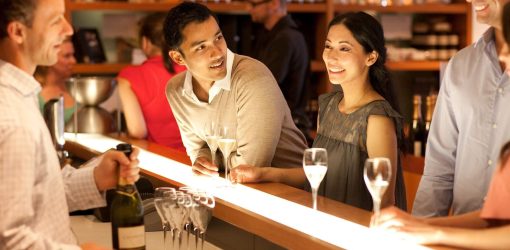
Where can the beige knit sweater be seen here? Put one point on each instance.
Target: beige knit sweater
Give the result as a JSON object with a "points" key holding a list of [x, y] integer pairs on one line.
{"points": [[254, 106]]}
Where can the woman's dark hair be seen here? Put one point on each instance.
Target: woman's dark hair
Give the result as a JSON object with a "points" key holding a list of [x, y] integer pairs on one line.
{"points": [[151, 27], [16, 10], [369, 33], [179, 17], [506, 23]]}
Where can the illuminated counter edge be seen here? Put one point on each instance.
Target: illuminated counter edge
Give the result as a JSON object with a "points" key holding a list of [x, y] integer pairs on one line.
{"points": [[318, 228]]}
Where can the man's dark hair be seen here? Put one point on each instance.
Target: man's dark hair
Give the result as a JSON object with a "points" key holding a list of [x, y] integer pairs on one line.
{"points": [[15, 10], [179, 17]]}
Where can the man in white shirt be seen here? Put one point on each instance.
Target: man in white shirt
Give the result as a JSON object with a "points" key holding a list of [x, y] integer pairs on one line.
{"points": [[36, 194], [470, 124]]}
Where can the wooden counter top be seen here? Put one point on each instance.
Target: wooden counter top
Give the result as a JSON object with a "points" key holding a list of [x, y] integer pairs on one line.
{"points": [[247, 220]]}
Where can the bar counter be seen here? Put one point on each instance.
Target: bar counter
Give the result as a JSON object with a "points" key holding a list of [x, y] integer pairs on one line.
{"points": [[275, 212]]}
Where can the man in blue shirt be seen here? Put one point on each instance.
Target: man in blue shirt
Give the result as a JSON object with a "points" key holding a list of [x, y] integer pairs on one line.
{"points": [[469, 125]]}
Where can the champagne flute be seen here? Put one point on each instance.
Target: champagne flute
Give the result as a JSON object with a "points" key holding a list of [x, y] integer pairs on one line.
{"points": [[377, 175], [211, 137], [227, 144], [315, 164], [159, 203]]}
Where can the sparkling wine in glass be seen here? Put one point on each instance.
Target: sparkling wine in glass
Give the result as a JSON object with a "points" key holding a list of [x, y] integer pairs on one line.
{"points": [[211, 137], [227, 144], [315, 164], [377, 175]]}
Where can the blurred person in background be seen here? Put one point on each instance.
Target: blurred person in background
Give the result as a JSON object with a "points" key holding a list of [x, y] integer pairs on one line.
{"points": [[469, 124], [37, 195], [53, 79], [142, 88], [282, 48], [359, 122]]}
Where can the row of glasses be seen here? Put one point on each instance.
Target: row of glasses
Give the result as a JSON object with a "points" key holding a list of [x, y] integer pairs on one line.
{"points": [[180, 209], [224, 138]]}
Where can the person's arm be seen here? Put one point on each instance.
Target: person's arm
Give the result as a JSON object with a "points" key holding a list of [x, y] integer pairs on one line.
{"points": [[435, 192], [84, 186], [196, 148], [261, 109], [382, 142], [18, 178], [467, 220], [249, 174], [132, 111], [467, 230], [488, 238]]}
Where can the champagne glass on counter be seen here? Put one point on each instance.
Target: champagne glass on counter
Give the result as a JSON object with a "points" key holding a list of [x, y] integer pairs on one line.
{"points": [[159, 203], [227, 144], [377, 175], [211, 137], [315, 165], [201, 214]]}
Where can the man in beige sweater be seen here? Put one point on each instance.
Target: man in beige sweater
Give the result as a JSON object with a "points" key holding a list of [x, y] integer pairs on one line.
{"points": [[229, 89]]}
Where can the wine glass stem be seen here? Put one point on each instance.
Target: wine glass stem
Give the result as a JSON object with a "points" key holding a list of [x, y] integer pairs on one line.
{"points": [[377, 210], [314, 197], [213, 156], [202, 234], [226, 169], [164, 236]]}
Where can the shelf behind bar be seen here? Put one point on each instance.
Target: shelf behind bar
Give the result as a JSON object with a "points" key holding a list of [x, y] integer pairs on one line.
{"points": [[240, 7], [453, 8]]}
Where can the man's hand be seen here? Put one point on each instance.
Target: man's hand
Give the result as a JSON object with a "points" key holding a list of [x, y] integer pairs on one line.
{"points": [[246, 174], [203, 166], [106, 173]]}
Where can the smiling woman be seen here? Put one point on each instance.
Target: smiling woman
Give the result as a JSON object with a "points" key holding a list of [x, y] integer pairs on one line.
{"points": [[356, 123]]}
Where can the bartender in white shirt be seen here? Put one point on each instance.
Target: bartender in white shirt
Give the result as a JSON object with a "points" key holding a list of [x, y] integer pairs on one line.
{"points": [[36, 194]]}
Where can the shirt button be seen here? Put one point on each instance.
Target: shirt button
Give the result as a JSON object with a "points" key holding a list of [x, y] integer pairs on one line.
{"points": [[500, 90], [494, 125], [489, 162]]}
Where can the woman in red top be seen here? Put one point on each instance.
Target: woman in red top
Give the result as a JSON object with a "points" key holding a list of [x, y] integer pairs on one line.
{"points": [[142, 88]]}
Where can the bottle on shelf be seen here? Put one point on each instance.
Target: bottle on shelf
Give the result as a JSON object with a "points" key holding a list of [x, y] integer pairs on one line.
{"points": [[430, 105], [417, 131], [443, 30], [128, 229]]}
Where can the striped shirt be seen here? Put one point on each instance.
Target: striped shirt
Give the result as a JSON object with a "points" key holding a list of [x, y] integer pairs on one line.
{"points": [[36, 194]]}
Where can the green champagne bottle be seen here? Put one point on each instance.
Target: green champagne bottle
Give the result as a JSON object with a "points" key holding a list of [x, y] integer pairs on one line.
{"points": [[128, 229]]}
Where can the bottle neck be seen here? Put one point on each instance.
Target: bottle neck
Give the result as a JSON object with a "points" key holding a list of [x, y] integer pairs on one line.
{"points": [[417, 111], [123, 182]]}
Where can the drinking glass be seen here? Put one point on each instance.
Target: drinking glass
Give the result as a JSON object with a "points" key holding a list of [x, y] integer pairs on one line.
{"points": [[315, 164], [377, 175], [211, 137], [227, 144], [159, 203], [201, 214]]}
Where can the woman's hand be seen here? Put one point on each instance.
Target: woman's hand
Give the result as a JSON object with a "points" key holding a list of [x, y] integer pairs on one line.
{"points": [[407, 226]]}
